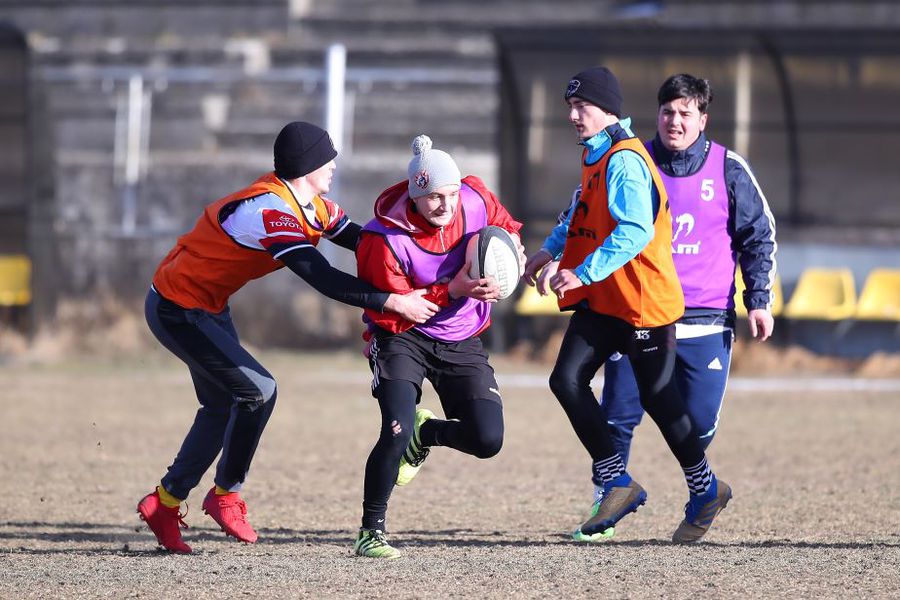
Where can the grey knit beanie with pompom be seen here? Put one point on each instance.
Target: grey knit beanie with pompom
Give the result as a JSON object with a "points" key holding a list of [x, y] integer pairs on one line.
{"points": [[430, 169]]}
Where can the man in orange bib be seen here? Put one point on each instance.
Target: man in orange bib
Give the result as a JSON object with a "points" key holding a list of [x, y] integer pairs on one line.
{"points": [[617, 274], [275, 222]]}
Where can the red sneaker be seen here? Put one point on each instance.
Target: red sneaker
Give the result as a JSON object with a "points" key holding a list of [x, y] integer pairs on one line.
{"points": [[164, 522], [230, 512]]}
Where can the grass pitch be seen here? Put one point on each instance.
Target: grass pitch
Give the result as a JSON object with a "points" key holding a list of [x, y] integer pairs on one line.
{"points": [[816, 511]]}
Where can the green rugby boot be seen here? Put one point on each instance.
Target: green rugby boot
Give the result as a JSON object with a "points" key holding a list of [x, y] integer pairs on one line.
{"points": [[602, 536], [373, 544], [415, 453]]}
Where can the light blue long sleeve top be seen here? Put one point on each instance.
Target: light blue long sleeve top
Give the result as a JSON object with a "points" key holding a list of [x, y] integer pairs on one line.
{"points": [[633, 202]]}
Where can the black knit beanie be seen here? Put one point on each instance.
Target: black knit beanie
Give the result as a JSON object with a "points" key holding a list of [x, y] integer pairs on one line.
{"points": [[598, 86], [301, 148]]}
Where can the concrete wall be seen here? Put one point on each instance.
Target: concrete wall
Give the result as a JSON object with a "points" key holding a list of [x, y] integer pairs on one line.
{"points": [[222, 77]]}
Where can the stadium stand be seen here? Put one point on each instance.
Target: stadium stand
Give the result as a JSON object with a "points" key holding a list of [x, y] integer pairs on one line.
{"points": [[532, 304], [823, 294], [220, 76], [880, 297], [15, 292], [15, 280]]}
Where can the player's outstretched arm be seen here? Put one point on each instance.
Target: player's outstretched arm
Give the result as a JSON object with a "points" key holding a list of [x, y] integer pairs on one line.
{"points": [[314, 269], [348, 237], [534, 264], [543, 280], [412, 306], [563, 281]]}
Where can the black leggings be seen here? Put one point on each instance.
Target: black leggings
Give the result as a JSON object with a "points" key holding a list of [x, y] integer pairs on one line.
{"points": [[236, 394], [479, 432], [590, 339]]}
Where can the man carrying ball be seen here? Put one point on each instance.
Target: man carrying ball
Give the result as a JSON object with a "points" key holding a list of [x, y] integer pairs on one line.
{"points": [[418, 239]]}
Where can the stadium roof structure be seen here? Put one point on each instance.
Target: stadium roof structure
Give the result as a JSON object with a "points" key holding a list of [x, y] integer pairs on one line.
{"points": [[813, 109]]}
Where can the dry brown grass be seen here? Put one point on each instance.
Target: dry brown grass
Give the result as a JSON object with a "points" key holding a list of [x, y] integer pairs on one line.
{"points": [[109, 329], [815, 514], [751, 358]]}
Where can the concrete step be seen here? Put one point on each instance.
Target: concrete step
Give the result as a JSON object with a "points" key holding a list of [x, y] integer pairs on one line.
{"points": [[473, 14], [150, 19]]}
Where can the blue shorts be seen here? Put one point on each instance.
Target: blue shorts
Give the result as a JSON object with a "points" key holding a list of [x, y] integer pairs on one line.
{"points": [[701, 373]]}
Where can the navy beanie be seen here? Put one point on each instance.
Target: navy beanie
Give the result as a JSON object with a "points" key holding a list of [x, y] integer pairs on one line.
{"points": [[301, 148], [598, 86]]}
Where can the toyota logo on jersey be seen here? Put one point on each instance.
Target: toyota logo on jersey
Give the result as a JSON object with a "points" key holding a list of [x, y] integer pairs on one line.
{"points": [[276, 221]]}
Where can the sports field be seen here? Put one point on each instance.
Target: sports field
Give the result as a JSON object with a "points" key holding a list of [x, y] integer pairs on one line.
{"points": [[815, 467]]}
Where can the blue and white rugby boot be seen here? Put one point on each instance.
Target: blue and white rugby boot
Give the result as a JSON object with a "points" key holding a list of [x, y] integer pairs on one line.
{"points": [[700, 511], [602, 536], [621, 496]]}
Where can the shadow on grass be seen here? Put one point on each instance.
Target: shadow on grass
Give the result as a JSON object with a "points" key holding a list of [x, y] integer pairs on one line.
{"points": [[33, 537], [464, 537]]}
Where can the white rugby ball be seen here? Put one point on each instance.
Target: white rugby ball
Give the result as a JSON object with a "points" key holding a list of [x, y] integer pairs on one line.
{"points": [[492, 253]]}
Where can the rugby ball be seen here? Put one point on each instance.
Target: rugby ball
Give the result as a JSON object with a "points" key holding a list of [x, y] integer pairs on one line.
{"points": [[492, 253]]}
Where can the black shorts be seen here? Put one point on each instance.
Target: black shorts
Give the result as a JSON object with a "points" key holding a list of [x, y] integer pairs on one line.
{"points": [[623, 337], [458, 371], [642, 341]]}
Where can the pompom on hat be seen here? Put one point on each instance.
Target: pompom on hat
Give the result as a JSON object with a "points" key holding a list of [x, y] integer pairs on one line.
{"points": [[430, 169]]}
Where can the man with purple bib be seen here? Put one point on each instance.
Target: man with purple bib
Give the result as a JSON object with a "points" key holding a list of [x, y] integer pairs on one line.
{"points": [[418, 240], [720, 218]]}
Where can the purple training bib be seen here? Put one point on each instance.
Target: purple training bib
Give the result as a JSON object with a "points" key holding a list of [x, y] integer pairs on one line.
{"points": [[701, 245], [464, 317]]}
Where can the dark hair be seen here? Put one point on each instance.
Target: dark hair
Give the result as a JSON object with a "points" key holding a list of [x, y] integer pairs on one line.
{"points": [[688, 87]]}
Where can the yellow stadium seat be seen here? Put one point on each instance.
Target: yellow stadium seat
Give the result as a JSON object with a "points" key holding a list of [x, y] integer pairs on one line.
{"points": [[880, 297], [823, 294], [15, 280], [777, 296], [530, 303]]}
